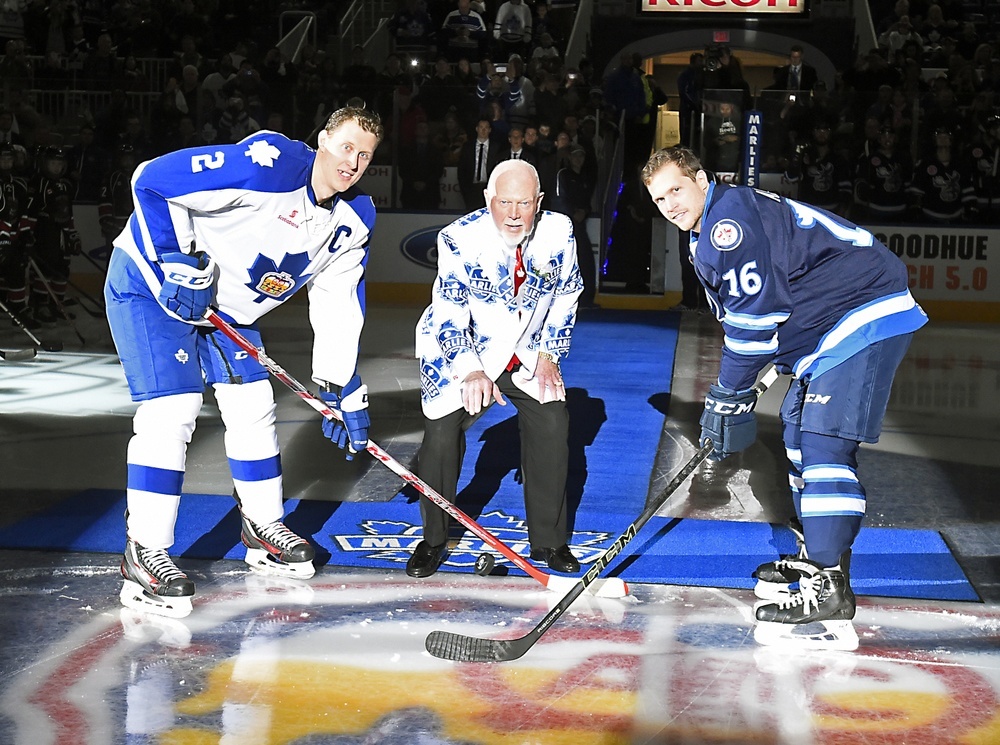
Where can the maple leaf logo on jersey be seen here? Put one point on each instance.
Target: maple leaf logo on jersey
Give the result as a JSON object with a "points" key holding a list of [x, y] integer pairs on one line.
{"points": [[262, 153], [274, 282]]}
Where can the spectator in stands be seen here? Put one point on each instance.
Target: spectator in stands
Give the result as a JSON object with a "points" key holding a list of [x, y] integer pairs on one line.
{"points": [[516, 149], [391, 76], [624, 91], [133, 79], [248, 85], [413, 31], [464, 73], [881, 178], [512, 29], [164, 119], [360, 78], [450, 138], [984, 162], [935, 28], [550, 106], [689, 86], [186, 21], [215, 81], [53, 76], [188, 54], [464, 33], [545, 48], [15, 68], [797, 75], [823, 176], [942, 189], [88, 164], [941, 112], [440, 91], [899, 34], [475, 164], [542, 25], [78, 47], [571, 196], [236, 122], [102, 69], [420, 170], [279, 75], [520, 105]]}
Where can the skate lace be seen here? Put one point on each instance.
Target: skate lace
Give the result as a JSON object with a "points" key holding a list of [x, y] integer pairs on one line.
{"points": [[278, 535], [159, 564], [807, 595]]}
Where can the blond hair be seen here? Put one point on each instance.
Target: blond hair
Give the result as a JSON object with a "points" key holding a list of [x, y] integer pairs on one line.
{"points": [[368, 120], [682, 157]]}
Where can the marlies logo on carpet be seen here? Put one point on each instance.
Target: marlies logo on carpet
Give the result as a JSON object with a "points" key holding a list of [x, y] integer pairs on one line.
{"points": [[394, 540]]}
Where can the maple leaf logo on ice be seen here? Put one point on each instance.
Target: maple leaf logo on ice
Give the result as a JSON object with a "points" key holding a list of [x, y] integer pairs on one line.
{"points": [[262, 153], [394, 540]]}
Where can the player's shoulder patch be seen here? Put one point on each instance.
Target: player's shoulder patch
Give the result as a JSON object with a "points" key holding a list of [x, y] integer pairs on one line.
{"points": [[726, 234]]}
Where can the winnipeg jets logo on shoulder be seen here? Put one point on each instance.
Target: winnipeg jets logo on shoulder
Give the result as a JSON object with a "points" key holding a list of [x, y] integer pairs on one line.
{"points": [[263, 153], [727, 235]]}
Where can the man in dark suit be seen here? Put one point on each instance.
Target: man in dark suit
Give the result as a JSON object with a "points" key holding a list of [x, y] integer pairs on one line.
{"points": [[796, 75], [476, 161], [517, 149]]}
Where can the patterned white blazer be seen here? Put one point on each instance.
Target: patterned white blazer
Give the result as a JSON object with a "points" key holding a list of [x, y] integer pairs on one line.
{"points": [[475, 322]]}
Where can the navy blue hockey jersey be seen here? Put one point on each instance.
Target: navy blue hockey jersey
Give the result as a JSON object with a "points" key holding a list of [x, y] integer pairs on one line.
{"points": [[795, 285]]}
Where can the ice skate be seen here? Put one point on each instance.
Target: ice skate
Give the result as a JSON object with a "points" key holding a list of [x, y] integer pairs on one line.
{"points": [[775, 578], [274, 549], [153, 583], [817, 616]]}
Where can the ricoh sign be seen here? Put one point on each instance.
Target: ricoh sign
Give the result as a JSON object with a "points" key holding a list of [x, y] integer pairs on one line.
{"points": [[741, 7]]}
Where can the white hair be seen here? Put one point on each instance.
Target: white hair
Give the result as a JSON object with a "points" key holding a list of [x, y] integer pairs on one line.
{"points": [[507, 166]]}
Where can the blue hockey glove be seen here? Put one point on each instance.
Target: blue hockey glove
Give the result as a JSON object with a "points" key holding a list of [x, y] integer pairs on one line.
{"points": [[187, 284], [352, 403], [728, 420]]}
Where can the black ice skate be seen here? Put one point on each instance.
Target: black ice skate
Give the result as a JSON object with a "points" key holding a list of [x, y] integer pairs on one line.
{"points": [[775, 578], [274, 549], [153, 582], [817, 616]]}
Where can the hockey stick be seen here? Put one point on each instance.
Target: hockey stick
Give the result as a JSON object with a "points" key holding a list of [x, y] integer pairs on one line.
{"points": [[100, 312], [55, 346], [450, 646], [55, 299], [613, 587]]}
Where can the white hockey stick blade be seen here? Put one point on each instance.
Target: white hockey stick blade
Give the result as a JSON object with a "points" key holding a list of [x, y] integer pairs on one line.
{"points": [[18, 355], [825, 635], [610, 587]]}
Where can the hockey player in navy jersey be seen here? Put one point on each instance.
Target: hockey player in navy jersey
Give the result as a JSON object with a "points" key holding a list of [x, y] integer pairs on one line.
{"points": [[828, 304], [240, 227]]}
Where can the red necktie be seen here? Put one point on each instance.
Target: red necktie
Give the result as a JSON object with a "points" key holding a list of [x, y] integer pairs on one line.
{"points": [[518, 279]]}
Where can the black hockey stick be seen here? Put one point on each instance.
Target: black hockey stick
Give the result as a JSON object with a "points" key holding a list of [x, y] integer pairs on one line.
{"points": [[55, 346], [450, 646], [17, 355], [55, 299]]}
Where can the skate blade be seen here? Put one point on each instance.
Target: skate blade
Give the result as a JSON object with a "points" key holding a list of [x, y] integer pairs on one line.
{"points": [[772, 591], [826, 635], [134, 596], [261, 561], [143, 627]]}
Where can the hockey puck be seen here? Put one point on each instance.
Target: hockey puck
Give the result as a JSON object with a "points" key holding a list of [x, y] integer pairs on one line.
{"points": [[484, 564]]}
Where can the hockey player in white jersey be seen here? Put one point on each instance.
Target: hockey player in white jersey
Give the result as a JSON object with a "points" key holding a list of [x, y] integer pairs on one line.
{"points": [[827, 303], [240, 228]]}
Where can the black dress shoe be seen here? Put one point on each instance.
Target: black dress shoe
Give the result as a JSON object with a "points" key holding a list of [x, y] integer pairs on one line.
{"points": [[425, 560], [559, 559]]}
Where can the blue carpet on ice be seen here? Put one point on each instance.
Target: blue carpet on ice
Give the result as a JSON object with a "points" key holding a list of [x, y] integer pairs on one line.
{"points": [[887, 562], [619, 360]]}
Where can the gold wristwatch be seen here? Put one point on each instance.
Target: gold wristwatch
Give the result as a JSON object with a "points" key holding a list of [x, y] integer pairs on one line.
{"points": [[550, 357]]}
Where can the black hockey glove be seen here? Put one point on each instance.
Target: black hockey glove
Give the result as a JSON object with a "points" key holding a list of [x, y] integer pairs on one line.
{"points": [[728, 420]]}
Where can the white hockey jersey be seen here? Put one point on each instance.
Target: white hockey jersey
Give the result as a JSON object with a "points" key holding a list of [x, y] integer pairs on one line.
{"points": [[251, 207]]}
